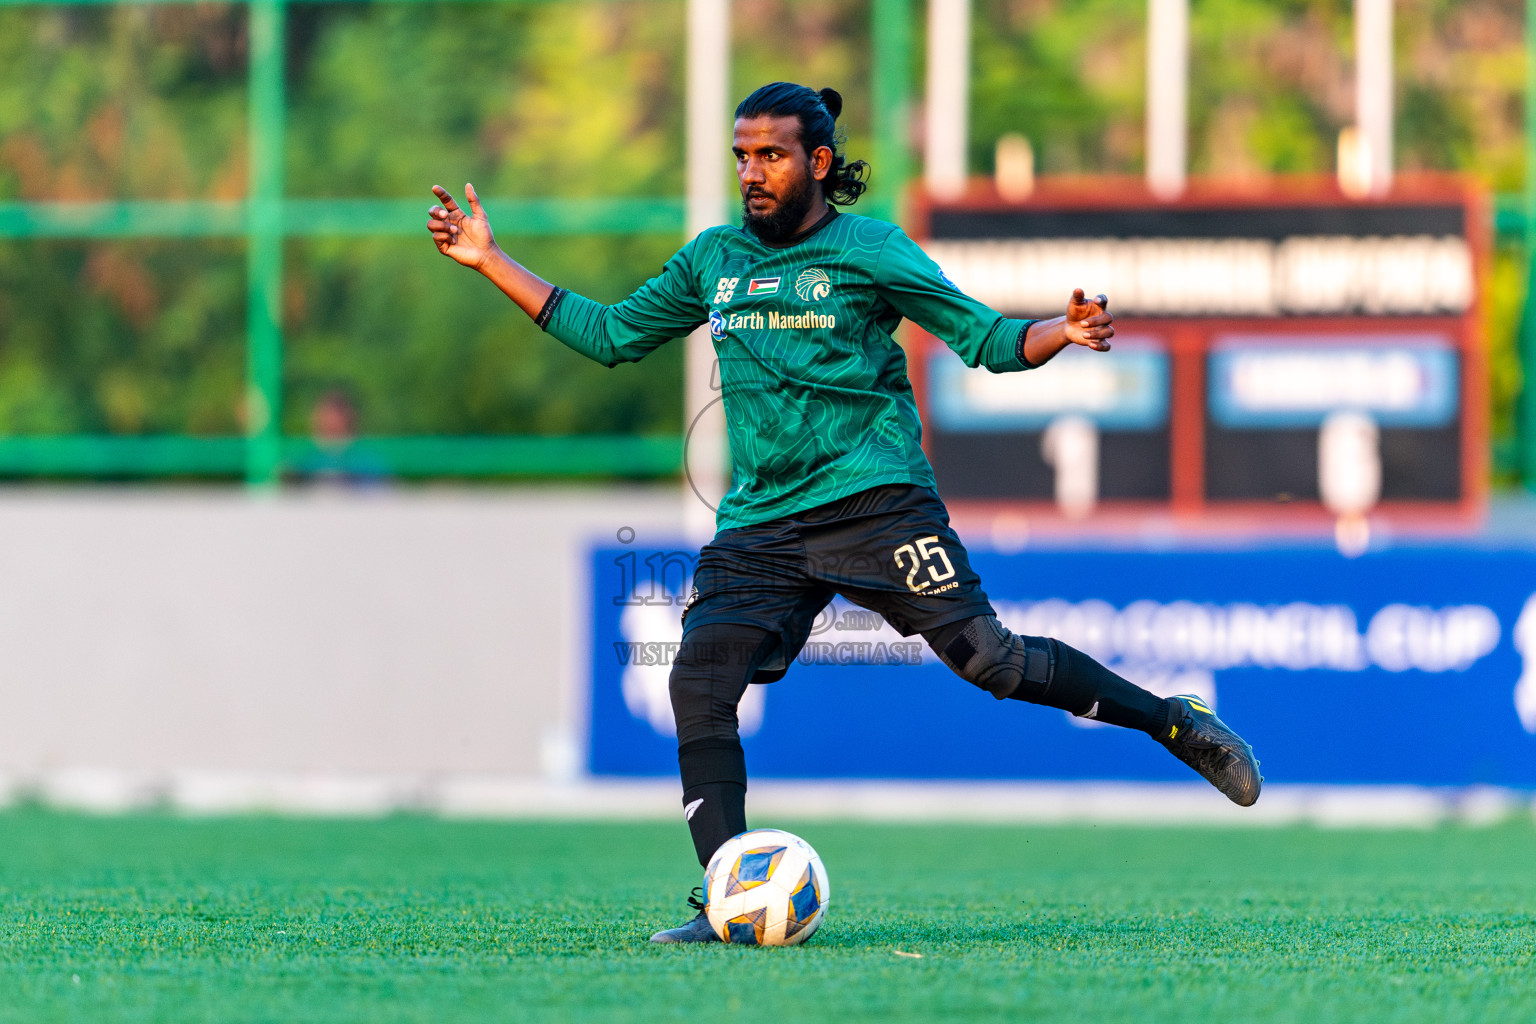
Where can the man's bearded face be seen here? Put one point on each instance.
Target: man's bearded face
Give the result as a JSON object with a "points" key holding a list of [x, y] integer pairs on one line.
{"points": [[773, 171]]}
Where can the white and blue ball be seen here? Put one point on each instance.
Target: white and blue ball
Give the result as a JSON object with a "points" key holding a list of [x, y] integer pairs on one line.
{"points": [[766, 887]]}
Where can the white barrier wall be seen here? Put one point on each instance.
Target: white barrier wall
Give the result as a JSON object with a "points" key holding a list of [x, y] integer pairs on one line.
{"points": [[213, 647]]}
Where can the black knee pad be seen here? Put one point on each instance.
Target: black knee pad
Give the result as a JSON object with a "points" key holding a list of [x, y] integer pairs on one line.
{"points": [[1004, 664]]}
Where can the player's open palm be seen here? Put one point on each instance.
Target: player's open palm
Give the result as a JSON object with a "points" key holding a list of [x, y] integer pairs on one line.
{"points": [[465, 237], [1089, 321]]}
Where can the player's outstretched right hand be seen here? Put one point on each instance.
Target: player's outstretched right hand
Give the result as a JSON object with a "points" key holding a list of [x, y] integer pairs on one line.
{"points": [[465, 237], [1089, 321]]}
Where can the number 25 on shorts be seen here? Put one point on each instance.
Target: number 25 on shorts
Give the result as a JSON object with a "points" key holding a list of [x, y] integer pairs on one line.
{"points": [[922, 556]]}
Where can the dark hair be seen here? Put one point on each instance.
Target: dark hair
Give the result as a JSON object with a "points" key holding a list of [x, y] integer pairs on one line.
{"points": [[817, 113]]}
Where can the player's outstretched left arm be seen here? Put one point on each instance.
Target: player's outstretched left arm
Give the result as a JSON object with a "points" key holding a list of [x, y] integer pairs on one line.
{"points": [[1088, 323]]}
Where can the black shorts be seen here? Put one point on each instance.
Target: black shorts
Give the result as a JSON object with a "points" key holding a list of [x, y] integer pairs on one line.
{"points": [[889, 549]]}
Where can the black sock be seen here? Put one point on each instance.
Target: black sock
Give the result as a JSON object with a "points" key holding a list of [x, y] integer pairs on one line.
{"points": [[1083, 682], [714, 792], [716, 811]]}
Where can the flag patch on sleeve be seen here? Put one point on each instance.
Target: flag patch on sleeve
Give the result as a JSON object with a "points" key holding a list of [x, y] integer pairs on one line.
{"points": [[762, 286]]}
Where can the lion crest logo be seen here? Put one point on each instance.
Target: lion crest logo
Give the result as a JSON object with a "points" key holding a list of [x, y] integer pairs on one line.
{"points": [[813, 285]]}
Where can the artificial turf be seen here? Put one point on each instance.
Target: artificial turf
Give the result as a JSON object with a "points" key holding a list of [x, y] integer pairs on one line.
{"points": [[160, 918]]}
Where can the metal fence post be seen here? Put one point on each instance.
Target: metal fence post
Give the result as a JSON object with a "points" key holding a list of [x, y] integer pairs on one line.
{"points": [[1526, 411], [891, 43], [264, 246]]}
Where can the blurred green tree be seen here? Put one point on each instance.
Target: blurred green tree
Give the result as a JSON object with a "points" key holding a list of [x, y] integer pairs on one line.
{"points": [[526, 100], [121, 102]]}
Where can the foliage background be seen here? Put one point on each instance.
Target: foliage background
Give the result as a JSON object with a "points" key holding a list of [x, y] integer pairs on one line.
{"points": [[585, 99]]}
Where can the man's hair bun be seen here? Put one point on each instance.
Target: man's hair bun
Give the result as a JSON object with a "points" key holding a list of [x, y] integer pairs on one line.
{"points": [[833, 101]]}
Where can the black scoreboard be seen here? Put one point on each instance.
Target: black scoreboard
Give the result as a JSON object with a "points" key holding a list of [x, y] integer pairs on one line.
{"points": [[1243, 323]]}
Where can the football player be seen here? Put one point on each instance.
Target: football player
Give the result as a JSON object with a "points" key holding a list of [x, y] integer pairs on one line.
{"points": [[831, 492]]}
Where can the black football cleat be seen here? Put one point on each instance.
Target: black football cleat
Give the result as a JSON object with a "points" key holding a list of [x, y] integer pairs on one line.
{"points": [[697, 930], [1197, 737]]}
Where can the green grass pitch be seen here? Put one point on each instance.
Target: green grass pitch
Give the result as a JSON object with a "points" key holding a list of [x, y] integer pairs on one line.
{"points": [[160, 918]]}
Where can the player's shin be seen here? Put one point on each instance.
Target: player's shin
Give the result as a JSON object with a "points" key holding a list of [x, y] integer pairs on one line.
{"points": [[714, 792], [1103, 695], [1041, 670]]}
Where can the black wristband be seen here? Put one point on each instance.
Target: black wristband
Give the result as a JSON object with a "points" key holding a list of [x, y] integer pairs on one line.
{"points": [[548, 312], [1023, 331]]}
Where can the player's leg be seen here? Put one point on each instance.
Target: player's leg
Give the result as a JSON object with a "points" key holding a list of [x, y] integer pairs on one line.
{"points": [[751, 611], [714, 664], [891, 549], [1041, 670]]}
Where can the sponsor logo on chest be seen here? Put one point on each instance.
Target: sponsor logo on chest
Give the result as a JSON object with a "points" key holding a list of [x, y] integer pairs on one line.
{"points": [[773, 320], [810, 286]]}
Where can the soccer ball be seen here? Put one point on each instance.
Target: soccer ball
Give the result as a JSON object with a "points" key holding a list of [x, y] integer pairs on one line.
{"points": [[765, 888]]}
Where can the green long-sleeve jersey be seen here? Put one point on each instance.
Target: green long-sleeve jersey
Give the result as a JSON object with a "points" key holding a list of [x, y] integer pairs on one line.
{"points": [[817, 401]]}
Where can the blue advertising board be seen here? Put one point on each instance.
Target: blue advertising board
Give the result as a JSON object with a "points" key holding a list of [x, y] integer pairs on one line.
{"points": [[1405, 666]]}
